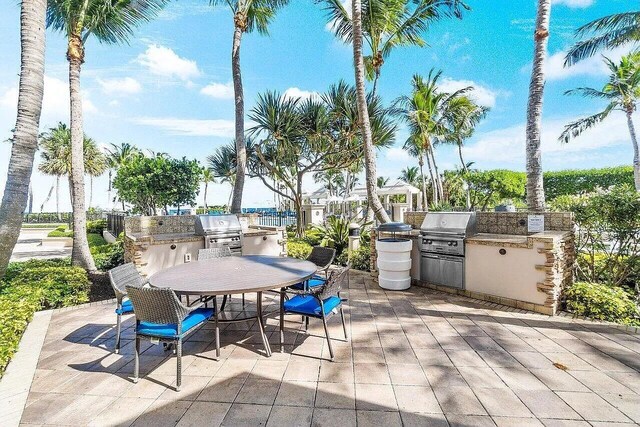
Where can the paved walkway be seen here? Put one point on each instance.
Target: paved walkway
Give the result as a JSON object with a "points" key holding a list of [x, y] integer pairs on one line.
{"points": [[415, 358], [30, 246]]}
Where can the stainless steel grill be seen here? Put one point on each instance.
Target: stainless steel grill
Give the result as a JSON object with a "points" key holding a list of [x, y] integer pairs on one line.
{"points": [[442, 236], [220, 231]]}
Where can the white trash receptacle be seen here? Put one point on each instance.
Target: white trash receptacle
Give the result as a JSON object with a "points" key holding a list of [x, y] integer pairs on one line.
{"points": [[394, 258]]}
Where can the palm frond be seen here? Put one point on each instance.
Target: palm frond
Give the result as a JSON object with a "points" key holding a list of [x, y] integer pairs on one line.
{"points": [[576, 128]]}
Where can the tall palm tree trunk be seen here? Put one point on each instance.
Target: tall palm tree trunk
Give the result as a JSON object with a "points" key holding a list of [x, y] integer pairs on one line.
{"points": [[465, 170], [30, 204], [58, 197], [439, 186], [424, 181], [535, 187], [206, 185], [25, 136], [434, 186], [636, 151], [241, 148], [80, 254], [464, 165], [365, 124]]}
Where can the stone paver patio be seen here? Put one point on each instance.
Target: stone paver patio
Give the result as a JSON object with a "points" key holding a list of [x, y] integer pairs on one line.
{"points": [[415, 358]]}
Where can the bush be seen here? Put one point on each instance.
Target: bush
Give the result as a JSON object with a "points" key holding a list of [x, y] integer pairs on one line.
{"points": [[602, 302], [312, 236], [360, 258], [97, 226], [60, 233], [33, 285], [107, 257], [298, 249], [571, 182], [96, 240]]}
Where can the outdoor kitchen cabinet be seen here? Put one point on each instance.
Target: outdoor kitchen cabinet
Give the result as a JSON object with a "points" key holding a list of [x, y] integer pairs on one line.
{"points": [[264, 242], [505, 266]]}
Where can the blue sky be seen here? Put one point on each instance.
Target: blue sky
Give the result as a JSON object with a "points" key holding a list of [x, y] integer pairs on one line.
{"points": [[170, 90]]}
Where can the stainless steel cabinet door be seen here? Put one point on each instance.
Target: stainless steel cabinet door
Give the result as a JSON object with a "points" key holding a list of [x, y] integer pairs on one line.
{"points": [[442, 270]]}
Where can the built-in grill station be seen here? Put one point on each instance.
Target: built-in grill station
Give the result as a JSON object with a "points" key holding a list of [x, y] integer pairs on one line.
{"points": [[220, 231], [442, 247]]}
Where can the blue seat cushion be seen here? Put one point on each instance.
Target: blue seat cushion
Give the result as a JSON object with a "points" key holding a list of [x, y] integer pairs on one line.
{"points": [[127, 307], [170, 330], [310, 306], [313, 282]]}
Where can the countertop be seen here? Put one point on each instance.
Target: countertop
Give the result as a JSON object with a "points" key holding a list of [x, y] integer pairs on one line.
{"points": [[515, 240], [189, 237]]}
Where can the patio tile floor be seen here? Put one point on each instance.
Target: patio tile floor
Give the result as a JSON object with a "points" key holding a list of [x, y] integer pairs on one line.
{"points": [[414, 358]]}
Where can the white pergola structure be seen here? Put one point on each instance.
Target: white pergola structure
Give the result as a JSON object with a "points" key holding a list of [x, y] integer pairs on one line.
{"points": [[359, 196]]}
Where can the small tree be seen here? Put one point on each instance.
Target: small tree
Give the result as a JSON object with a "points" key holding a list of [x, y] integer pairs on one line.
{"points": [[148, 183]]}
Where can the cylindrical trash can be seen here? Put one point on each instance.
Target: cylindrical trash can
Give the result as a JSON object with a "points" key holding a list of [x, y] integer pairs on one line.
{"points": [[394, 257]]}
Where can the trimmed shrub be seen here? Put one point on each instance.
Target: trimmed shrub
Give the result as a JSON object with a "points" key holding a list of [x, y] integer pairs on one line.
{"points": [[15, 268], [16, 311], [570, 182], [602, 302], [96, 240], [298, 249], [360, 258], [60, 233], [96, 226], [59, 286], [107, 257]]}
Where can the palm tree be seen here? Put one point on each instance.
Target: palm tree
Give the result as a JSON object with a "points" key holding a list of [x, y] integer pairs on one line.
{"points": [[110, 22], [248, 15], [95, 164], [207, 178], [57, 157], [223, 166], [535, 187], [622, 92], [116, 156], [410, 175], [387, 24], [363, 113], [25, 135], [425, 113], [605, 33], [382, 181], [462, 116]]}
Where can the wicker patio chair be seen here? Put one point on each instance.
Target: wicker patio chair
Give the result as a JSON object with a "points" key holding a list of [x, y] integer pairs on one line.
{"points": [[120, 277], [162, 317], [319, 302], [322, 257], [214, 253]]}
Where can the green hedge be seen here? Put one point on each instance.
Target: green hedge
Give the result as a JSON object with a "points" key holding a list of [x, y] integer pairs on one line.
{"points": [[298, 249], [360, 258], [108, 256], [34, 285], [602, 302], [96, 226], [583, 181], [96, 240]]}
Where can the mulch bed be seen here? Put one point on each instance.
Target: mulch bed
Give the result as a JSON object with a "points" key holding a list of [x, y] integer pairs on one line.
{"points": [[100, 287]]}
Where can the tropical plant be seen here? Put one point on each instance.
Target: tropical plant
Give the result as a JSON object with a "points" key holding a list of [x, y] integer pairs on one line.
{"points": [[25, 136], [109, 22], [116, 156], [160, 181], [535, 184], [207, 178], [335, 233], [622, 92], [56, 156], [248, 15], [605, 33], [410, 175], [490, 188], [308, 136], [424, 111], [462, 115], [382, 181], [388, 24], [223, 163]]}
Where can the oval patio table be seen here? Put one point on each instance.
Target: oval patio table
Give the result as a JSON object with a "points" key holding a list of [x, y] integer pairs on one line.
{"points": [[235, 275]]}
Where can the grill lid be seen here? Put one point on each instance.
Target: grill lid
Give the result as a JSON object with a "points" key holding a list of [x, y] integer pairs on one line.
{"points": [[215, 224], [460, 223]]}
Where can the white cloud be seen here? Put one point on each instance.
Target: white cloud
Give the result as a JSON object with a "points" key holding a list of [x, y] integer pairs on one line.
{"points": [[190, 127], [218, 90], [55, 103], [594, 66], [124, 86], [481, 94], [163, 61], [507, 145], [574, 4], [294, 92]]}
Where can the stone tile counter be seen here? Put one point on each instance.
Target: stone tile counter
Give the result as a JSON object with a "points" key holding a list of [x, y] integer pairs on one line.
{"points": [[515, 240]]}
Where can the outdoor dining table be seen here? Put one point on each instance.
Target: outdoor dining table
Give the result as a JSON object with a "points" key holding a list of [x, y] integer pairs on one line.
{"points": [[235, 275]]}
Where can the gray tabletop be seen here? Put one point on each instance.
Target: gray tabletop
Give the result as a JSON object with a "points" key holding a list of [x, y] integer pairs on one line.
{"points": [[234, 275]]}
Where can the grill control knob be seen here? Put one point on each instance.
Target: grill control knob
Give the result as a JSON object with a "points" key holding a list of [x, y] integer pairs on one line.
{"points": [[429, 242], [449, 243], [455, 243]]}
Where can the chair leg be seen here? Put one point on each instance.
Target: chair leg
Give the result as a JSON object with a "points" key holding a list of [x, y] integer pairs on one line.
{"points": [[224, 302], [326, 332], [242, 300], [306, 323], [282, 321], [118, 330], [179, 363], [217, 328], [136, 363], [344, 324], [265, 340]]}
